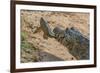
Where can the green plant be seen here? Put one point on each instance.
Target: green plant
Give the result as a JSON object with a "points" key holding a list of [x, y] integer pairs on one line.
{"points": [[23, 36], [27, 45]]}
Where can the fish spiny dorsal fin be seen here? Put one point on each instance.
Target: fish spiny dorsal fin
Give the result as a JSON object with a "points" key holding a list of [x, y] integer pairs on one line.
{"points": [[46, 28]]}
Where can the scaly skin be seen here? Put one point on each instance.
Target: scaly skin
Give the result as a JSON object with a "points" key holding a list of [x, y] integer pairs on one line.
{"points": [[77, 44]]}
